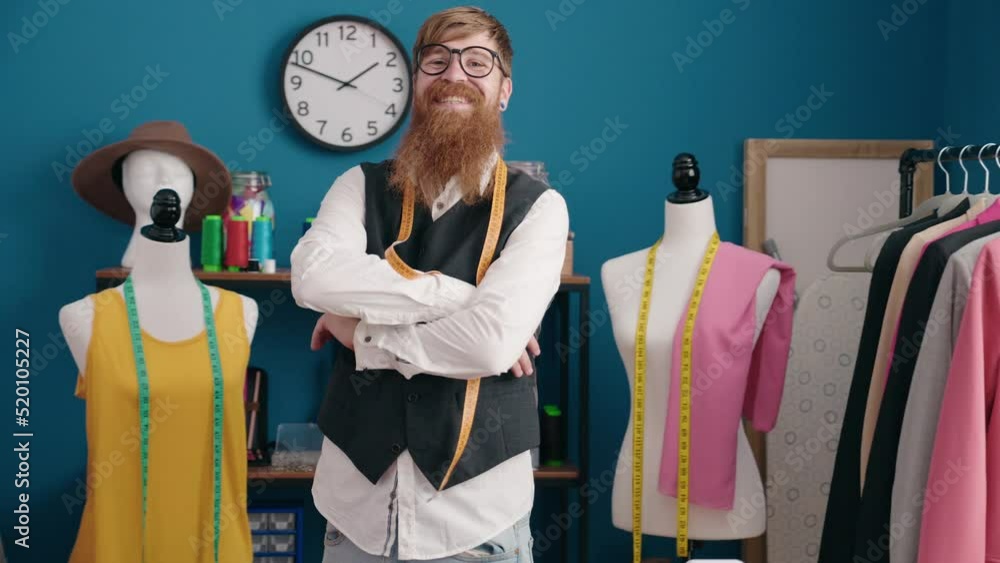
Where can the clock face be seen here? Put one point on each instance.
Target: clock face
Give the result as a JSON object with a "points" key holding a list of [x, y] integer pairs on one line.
{"points": [[347, 83]]}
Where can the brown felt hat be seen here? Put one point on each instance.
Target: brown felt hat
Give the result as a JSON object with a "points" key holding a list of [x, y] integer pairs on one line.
{"points": [[94, 179]]}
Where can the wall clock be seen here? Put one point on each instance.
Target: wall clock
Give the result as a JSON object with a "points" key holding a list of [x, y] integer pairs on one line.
{"points": [[346, 82]]}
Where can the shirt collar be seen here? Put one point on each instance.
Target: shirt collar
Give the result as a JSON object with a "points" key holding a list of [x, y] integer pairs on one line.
{"points": [[484, 179]]}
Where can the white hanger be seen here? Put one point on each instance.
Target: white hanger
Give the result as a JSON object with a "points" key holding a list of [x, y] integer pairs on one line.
{"points": [[948, 201], [986, 196], [922, 211], [965, 183]]}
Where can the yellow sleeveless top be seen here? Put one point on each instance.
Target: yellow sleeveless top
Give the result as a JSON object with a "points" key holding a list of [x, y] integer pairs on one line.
{"points": [[179, 518]]}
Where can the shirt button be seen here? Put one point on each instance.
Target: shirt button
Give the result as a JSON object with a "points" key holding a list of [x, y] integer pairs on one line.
{"points": [[413, 397], [440, 205], [368, 339], [396, 448]]}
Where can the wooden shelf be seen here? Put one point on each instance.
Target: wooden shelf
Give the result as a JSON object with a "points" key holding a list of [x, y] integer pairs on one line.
{"points": [[282, 276], [266, 472], [564, 473]]}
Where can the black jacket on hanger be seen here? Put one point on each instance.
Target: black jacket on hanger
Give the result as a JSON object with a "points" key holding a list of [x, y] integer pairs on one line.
{"points": [[839, 526], [876, 503]]}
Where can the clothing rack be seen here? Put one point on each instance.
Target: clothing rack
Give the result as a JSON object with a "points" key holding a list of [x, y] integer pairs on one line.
{"points": [[911, 157]]}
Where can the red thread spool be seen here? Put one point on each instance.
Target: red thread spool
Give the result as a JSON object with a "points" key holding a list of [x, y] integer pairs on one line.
{"points": [[237, 244]]}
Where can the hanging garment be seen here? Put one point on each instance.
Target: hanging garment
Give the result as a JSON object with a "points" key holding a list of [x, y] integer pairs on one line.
{"points": [[837, 544], [876, 501], [900, 284], [803, 444], [730, 373], [179, 519], [962, 509], [916, 439]]}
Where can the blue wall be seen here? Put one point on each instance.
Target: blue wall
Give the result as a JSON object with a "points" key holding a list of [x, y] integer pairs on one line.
{"points": [[971, 108], [578, 65]]}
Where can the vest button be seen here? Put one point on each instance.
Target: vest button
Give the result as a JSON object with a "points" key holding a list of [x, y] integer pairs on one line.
{"points": [[396, 448], [413, 397]]}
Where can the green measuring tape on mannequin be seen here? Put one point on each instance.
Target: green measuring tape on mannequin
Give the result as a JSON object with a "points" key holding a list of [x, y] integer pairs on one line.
{"points": [[217, 404], [684, 440]]}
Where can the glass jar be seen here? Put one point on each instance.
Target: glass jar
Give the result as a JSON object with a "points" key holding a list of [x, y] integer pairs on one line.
{"points": [[250, 199]]}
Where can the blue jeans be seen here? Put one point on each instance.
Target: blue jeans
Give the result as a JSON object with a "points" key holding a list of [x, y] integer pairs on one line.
{"points": [[512, 545]]}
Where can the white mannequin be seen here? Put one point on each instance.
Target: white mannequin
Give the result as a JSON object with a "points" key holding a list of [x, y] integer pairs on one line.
{"points": [[166, 291], [689, 228], [145, 172]]}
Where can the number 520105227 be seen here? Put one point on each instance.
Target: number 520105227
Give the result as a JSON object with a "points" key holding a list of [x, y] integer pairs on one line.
{"points": [[22, 360]]}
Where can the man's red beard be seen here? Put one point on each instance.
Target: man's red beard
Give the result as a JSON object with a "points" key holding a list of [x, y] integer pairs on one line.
{"points": [[442, 143]]}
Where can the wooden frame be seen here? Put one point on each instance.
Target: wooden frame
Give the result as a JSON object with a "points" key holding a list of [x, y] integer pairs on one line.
{"points": [[756, 152]]}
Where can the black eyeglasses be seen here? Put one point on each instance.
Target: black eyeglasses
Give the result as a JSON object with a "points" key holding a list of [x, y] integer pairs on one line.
{"points": [[477, 62]]}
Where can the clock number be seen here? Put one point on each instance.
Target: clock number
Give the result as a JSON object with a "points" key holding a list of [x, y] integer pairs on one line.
{"points": [[391, 110], [399, 84], [346, 136], [322, 38], [373, 39], [307, 57], [321, 127], [392, 59], [303, 108], [372, 130], [350, 34], [297, 82]]}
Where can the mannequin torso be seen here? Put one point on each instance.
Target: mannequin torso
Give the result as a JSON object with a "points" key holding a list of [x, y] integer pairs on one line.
{"points": [[167, 294], [167, 297], [689, 228]]}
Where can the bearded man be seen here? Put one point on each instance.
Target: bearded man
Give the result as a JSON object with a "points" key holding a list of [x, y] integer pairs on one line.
{"points": [[434, 270]]}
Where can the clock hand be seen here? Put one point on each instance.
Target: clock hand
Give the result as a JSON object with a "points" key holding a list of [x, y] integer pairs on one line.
{"points": [[372, 97], [359, 75], [345, 84]]}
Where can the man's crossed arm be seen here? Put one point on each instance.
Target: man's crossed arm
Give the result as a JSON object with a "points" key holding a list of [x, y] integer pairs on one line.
{"points": [[434, 324]]}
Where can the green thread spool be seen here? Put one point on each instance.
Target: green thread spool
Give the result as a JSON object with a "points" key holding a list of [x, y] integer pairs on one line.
{"points": [[552, 445], [211, 243]]}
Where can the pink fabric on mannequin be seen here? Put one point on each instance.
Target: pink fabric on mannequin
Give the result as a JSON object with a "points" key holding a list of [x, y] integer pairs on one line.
{"points": [[730, 375]]}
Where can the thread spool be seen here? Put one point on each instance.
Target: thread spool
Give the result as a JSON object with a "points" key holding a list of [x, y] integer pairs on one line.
{"points": [[237, 244], [552, 452], [262, 239], [211, 243]]}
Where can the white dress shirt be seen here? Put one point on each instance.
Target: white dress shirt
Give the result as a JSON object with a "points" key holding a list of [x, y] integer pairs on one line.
{"points": [[465, 331]]}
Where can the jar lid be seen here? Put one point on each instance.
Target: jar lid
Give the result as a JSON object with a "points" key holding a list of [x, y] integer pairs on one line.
{"points": [[257, 180]]}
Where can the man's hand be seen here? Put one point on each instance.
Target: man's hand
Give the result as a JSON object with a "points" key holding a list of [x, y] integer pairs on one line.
{"points": [[523, 365], [330, 326]]}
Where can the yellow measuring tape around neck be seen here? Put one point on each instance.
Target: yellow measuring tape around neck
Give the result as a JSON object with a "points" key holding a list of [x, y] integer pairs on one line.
{"points": [[485, 258], [639, 399]]}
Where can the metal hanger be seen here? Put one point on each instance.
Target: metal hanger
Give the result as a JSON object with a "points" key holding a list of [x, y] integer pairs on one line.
{"points": [[965, 182], [948, 201], [924, 210], [986, 196]]}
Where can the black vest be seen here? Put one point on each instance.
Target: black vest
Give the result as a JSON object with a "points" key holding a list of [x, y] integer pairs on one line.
{"points": [[375, 414]]}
